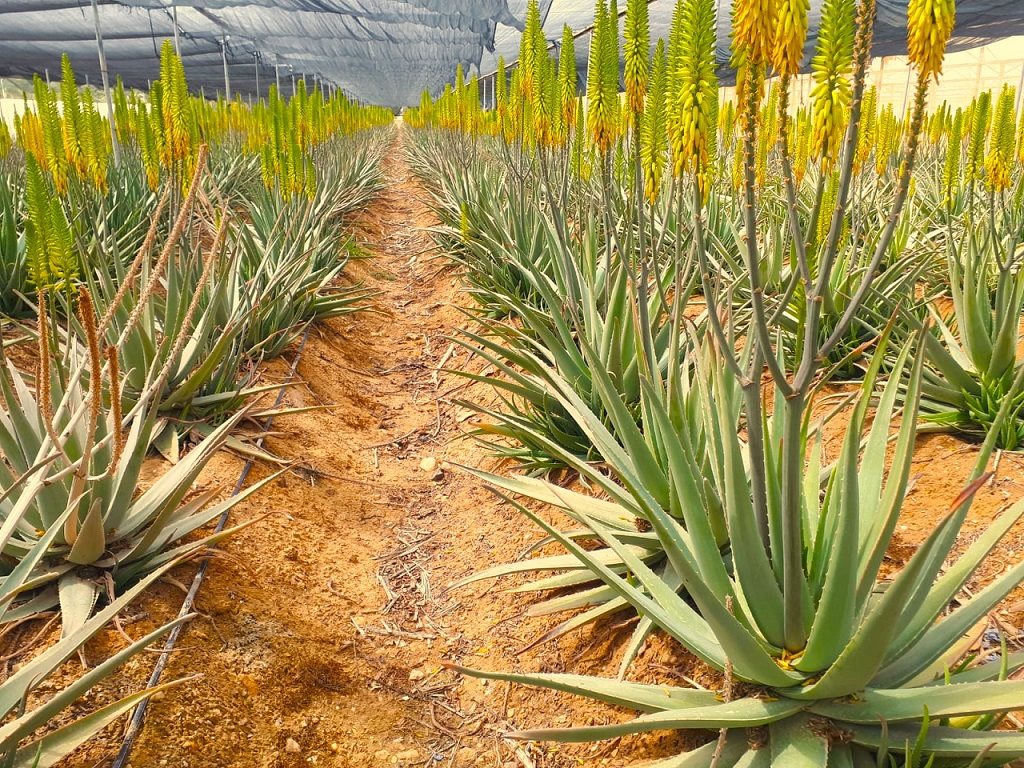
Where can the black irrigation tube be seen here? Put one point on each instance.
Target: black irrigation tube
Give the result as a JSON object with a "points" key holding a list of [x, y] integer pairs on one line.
{"points": [[139, 716]]}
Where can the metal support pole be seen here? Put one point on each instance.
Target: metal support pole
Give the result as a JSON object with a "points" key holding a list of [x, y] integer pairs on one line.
{"points": [[1020, 87], [224, 58], [906, 89], [106, 83], [174, 19], [977, 79], [277, 74], [256, 64]]}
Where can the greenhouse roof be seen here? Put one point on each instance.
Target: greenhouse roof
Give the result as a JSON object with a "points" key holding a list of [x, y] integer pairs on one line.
{"points": [[379, 51]]}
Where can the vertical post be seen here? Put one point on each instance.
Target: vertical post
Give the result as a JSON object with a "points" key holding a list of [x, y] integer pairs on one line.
{"points": [[906, 89], [256, 64], [224, 59], [1020, 87], [977, 76], [174, 21], [277, 74], [292, 70], [106, 83], [879, 82]]}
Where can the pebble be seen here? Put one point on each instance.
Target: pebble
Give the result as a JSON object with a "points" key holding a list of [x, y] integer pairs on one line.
{"points": [[417, 674], [428, 464], [291, 745], [406, 754]]}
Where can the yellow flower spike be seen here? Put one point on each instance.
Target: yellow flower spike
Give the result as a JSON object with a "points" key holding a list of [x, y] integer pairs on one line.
{"points": [[831, 67], [693, 118], [636, 55], [791, 36], [929, 26], [602, 93], [803, 147], [1002, 140], [981, 114], [653, 138], [886, 140], [567, 83], [868, 133], [754, 26]]}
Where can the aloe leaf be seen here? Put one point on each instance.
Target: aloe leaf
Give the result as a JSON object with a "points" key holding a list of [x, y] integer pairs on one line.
{"points": [[743, 713], [78, 596], [92, 540], [607, 608], [551, 563], [26, 724], [691, 502], [50, 749], [609, 513], [991, 670], [15, 688], [639, 697], [945, 742], [20, 576], [696, 636], [863, 655], [795, 744], [734, 754], [897, 704], [755, 575], [749, 657], [937, 641], [946, 587], [644, 629], [880, 526]]}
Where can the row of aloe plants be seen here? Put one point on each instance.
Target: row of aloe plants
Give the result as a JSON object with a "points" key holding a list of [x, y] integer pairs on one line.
{"points": [[669, 286], [151, 294]]}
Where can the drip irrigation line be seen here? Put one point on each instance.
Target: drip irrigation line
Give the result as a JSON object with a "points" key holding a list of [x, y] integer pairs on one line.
{"points": [[139, 716]]}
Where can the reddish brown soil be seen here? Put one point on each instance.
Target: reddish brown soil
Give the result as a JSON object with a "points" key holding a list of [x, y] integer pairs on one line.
{"points": [[325, 624]]}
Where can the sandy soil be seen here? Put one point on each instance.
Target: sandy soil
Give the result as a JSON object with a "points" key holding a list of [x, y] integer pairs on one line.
{"points": [[325, 624]]}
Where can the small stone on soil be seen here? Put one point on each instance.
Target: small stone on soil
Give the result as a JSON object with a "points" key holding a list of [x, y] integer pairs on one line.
{"points": [[292, 746]]}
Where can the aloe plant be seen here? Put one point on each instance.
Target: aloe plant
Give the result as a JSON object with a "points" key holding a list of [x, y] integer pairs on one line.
{"points": [[973, 360], [288, 264], [110, 224], [677, 445], [78, 463], [14, 272], [840, 665], [27, 737]]}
